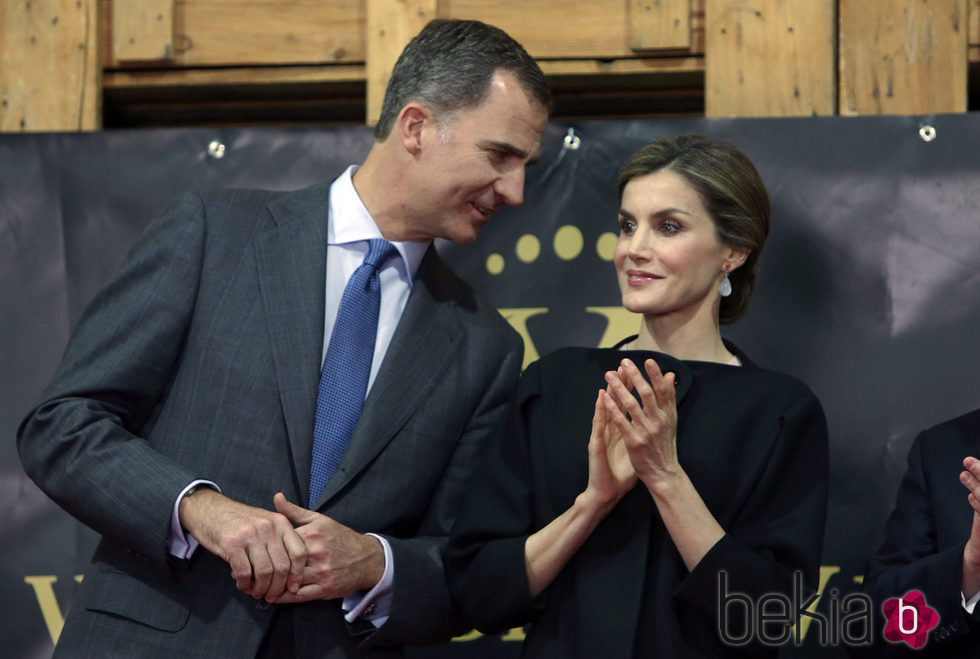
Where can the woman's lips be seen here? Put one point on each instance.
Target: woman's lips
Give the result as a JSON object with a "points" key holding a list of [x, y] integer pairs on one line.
{"points": [[640, 277]]}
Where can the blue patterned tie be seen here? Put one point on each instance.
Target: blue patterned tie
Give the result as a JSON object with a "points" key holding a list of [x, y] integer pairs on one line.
{"points": [[347, 367]]}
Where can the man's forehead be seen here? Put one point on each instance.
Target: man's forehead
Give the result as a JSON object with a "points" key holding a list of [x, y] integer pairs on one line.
{"points": [[507, 121]]}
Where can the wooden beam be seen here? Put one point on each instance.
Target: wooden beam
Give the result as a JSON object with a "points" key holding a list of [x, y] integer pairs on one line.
{"points": [[559, 29], [142, 30], [619, 67], [243, 33], [769, 58], [907, 57], [258, 76], [49, 70], [973, 33], [660, 24], [391, 24], [250, 32], [341, 73]]}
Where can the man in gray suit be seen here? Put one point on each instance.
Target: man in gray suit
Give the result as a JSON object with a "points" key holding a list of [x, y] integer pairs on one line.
{"points": [[180, 423]]}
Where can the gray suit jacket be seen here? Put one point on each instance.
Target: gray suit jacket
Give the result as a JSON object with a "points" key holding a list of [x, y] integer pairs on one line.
{"points": [[200, 359]]}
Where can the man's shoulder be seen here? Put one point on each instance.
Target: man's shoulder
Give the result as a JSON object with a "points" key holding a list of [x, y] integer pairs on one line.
{"points": [[236, 213], [941, 448], [445, 285], [308, 198], [958, 434], [474, 309]]}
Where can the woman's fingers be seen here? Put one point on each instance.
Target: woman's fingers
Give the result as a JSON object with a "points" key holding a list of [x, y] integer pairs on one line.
{"points": [[663, 385], [625, 402]]}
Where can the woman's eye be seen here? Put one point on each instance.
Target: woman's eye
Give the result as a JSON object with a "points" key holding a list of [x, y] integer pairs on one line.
{"points": [[670, 227], [627, 226]]}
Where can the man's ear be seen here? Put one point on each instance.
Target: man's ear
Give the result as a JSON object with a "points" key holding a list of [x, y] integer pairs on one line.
{"points": [[736, 257], [413, 118]]}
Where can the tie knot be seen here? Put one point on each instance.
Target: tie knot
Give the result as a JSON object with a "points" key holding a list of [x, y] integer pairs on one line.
{"points": [[379, 251]]}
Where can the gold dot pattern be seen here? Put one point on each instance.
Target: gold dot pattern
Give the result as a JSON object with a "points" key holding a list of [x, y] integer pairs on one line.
{"points": [[606, 245], [568, 242], [495, 264], [528, 248]]}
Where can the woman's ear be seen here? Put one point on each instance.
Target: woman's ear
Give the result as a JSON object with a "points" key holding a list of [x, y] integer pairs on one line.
{"points": [[413, 118], [736, 257]]}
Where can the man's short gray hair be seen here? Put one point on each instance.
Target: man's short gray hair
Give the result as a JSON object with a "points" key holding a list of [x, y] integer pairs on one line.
{"points": [[448, 67]]}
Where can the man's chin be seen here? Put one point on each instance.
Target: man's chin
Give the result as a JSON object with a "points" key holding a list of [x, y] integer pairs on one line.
{"points": [[464, 239], [466, 235]]}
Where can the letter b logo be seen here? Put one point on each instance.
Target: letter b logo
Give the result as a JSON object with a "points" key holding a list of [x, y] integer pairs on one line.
{"points": [[903, 610], [909, 619]]}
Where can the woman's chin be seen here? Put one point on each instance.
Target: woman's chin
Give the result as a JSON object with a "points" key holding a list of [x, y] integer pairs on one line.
{"points": [[638, 307]]}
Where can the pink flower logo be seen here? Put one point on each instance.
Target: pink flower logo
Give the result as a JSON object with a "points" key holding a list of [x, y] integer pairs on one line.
{"points": [[909, 619]]}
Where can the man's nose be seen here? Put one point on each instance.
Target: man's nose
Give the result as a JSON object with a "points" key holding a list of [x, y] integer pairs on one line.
{"points": [[510, 186]]}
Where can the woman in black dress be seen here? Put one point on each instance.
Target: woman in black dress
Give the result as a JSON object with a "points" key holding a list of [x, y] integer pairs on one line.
{"points": [[702, 486]]}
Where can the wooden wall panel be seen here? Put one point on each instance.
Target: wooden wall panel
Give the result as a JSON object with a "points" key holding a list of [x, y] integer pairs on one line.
{"points": [[558, 29], [906, 57], [660, 24], [49, 68], [973, 33], [250, 32], [391, 24], [973, 13], [769, 58], [142, 30], [291, 32], [765, 57]]}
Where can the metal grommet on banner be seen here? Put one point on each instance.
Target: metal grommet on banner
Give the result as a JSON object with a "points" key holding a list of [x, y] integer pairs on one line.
{"points": [[927, 132], [216, 149], [572, 141]]}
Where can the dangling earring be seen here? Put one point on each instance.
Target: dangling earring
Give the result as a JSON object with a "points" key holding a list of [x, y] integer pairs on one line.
{"points": [[725, 287]]}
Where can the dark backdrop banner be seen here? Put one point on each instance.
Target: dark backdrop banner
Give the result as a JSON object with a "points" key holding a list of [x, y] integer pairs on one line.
{"points": [[869, 291]]}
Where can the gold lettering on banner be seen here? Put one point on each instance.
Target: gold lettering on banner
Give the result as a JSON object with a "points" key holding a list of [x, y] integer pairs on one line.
{"points": [[518, 320], [43, 586], [515, 634], [622, 323], [471, 635], [826, 572]]}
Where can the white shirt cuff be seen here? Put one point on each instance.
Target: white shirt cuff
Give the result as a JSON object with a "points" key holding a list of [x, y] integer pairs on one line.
{"points": [[969, 604], [375, 604], [180, 544]]}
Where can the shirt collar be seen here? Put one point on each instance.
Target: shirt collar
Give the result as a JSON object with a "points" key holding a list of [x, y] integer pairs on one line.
{"points": [[350, 221]]}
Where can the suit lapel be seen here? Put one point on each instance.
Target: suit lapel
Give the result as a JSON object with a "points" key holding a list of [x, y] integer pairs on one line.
{"points": [[424, 344], [291, 261]]}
